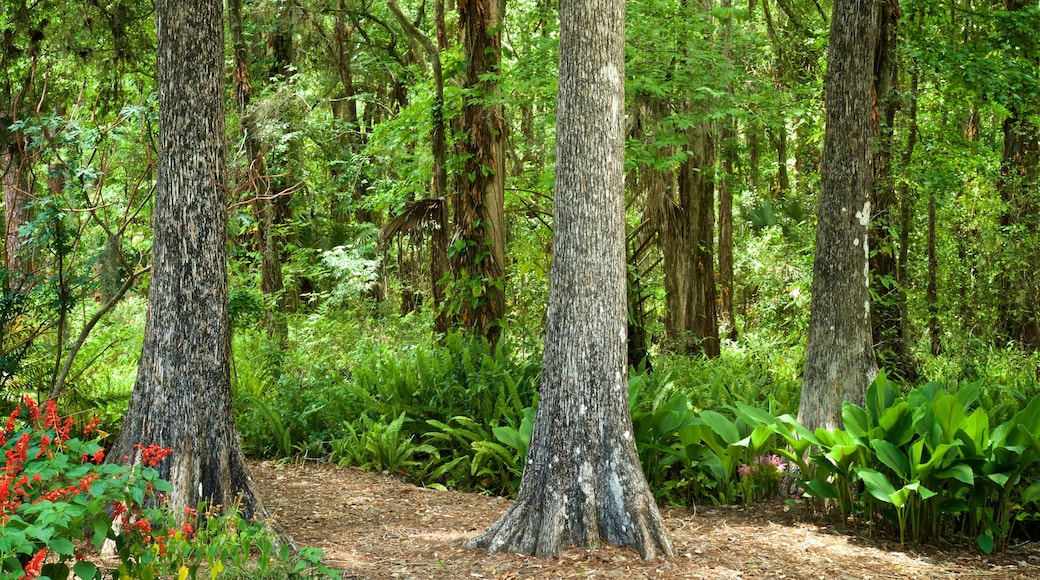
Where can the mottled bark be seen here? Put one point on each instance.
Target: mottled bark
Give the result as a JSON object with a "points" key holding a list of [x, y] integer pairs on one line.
{"points": [[478, 245], [582, 483], [1019, 281], [839, 358], [182, 397]]}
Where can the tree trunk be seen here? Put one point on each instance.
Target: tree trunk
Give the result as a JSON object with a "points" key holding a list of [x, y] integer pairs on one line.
{"points": [[478, 249], [696, 328], [887, 295], [16, 197], [932, 291], [1019, 281], [839, 358], [906, 203], [582, 482], [182, 397], [265, 208], [728, 135], [439, 179]]}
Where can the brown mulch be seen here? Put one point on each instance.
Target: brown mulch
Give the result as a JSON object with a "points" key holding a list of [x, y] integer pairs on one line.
{"points": [[374, 526]]}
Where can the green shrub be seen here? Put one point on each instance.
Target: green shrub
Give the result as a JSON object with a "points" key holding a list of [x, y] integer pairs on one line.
{"points": [[928, 463]]}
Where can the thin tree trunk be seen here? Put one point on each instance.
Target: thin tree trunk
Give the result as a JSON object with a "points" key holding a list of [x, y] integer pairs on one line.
{"points": [[728, 147], [1019, 280], [695, 323], [16, 198], [439, 241], [932, 292], [906, 203], [479, 219], [886, 295]]}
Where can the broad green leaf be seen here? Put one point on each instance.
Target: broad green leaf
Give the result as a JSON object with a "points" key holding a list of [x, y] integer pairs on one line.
{"points": [[962, 472], [880, 395], [968, 394], [1031, 494], [893, 457], [61, 546], [974, 433], [949, 414], [819, 488], [985, 542], [721, 425], [86, 570], [855, 420], [878, 485], [897, 424], [1000, 479], [753, 415]]}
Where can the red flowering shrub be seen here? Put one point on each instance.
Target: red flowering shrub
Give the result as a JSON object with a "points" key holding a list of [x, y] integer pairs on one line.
{"points": [[55, 491]]}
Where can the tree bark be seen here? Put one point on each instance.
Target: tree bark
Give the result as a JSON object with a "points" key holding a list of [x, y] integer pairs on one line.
{"points": [[182, 397], [582, 482], [16, 198], [478, 257], [728, 148], [886, 295], [839, 358], [689, 255], [1019, 282], [439, 180]]}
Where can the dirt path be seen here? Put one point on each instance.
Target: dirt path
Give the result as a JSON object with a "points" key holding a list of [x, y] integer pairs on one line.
{"points": [[376, 527]]}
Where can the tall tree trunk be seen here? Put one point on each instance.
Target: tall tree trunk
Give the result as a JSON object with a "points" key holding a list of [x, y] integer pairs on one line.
{"points": [[1019, 281], [16, 198], [886, 294], [182, 397], [728, 135], [932, 291], [839, 358], [440, 238], [345, 109], [478, 258], [690, 260], [906, 204], [582, 482]]}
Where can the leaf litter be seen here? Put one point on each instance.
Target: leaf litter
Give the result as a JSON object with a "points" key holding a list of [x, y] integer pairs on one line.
{"points": [[374, 526]]}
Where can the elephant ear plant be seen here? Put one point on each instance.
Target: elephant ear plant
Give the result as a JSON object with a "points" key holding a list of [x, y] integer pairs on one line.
{"points": [[926, 463]]}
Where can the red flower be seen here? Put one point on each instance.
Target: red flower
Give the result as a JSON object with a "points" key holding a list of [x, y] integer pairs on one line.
{"points": [[144, 526], [52, 420], [35, 566], [9, 426], [34, 409], [119, 511], [153, 454], [92, 426]]}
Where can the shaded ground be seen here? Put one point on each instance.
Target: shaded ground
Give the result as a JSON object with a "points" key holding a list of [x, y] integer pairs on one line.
{"points": [[374, 526]]}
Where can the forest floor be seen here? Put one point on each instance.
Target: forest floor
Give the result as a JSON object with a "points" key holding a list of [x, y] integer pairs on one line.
{"points": [[373, 526]]}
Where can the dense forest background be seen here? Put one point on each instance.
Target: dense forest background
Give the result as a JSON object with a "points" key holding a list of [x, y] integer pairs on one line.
{"points": [[379, 319]]}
